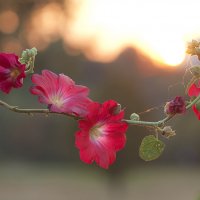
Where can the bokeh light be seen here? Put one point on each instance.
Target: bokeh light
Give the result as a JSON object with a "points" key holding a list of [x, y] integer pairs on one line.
{"points": [[45, 25], [9, 21], [37, 153], [102, 29], [11, 44]]}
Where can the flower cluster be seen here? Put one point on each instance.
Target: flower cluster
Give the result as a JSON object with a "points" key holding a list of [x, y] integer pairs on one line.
{"points": [[102, 132], [102, 129]]}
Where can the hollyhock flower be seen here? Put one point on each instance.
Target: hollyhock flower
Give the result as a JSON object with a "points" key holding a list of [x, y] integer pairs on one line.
{"points": [[194, 91], [175, 106], [101, 134], [60, 93], [12, 72]]}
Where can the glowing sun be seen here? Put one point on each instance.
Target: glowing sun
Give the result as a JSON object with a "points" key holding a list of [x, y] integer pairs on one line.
{"points": [[160, 29]]}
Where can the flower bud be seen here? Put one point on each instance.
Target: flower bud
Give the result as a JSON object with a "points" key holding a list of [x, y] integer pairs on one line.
{"points": [[175, 106], [28, 55], [191, 48], [135, 117]]}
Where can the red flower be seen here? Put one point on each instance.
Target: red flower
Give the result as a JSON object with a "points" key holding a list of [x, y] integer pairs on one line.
{"points": [[195, 91], [12, 72], [101, 134], [60, 93], [175, 106]]}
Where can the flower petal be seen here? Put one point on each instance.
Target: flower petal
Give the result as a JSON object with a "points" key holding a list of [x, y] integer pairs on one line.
{"points": [[101, 134], [193, 90], [60, 93], [12, 72]]}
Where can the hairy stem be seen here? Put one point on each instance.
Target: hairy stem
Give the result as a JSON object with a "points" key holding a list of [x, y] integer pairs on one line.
{"points": [[134, 122], [146, 123], [163, 121], [33, 111], [30, 69]]}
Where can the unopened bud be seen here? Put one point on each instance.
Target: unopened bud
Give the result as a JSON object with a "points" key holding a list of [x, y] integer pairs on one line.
{"points": [[135, 117], [28, 55], [175, 106], [192, 47]]}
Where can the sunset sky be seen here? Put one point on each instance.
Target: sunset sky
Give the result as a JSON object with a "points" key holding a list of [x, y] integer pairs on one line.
{"points": [[160, 29], [101, 30]]}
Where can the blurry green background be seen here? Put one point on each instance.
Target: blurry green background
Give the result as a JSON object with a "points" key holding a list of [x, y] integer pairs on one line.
{"points": [[38, 159]]}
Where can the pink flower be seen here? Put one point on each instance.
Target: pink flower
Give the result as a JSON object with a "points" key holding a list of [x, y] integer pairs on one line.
{"points": [[12, 72], [195, 91], [60, 93], [175, 106], [101, 134]]}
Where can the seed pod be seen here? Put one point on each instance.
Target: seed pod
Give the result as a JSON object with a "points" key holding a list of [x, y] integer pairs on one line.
{"points": [[168, 132]]}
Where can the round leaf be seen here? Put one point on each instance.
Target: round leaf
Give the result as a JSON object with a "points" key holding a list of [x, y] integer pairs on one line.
{"points": [[151, 148]]}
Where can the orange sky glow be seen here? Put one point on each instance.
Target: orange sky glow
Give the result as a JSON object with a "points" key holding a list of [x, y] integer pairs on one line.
{"points": [[101, 30], [160, 29]]}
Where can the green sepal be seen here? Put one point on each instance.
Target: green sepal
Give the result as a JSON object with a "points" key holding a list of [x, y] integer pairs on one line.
{"points": [[151, 148]]}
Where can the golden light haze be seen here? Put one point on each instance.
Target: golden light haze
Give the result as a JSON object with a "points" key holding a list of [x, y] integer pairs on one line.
{"points": [[102, 29], [160, 29], [9, 21]]}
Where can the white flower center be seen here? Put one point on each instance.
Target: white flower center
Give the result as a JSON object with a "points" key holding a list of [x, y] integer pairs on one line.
{"points": [[57, 101], [96, 132]]}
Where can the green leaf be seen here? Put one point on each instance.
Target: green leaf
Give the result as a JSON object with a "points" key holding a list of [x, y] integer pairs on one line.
{"points": [[151, 148]]}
